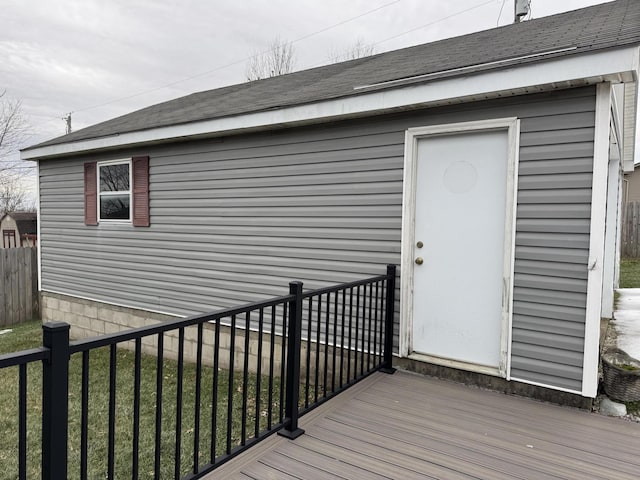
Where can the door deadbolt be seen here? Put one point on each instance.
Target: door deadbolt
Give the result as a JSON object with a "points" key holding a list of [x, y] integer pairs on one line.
{"points": [[419, 244], [419, 261]]}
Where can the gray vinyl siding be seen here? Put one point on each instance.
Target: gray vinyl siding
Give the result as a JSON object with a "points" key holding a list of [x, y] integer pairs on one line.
{"points": [[235, 219], [552, 247]]}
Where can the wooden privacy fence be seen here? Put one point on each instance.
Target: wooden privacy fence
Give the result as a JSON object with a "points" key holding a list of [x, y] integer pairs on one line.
{"points": [[19, 300]]}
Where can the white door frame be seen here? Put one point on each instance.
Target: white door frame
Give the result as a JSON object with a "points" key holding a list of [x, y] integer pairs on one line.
{"points": [[512, 126]]}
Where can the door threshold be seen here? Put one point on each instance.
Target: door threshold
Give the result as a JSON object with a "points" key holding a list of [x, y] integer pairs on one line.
{"points": [[460, 365]]}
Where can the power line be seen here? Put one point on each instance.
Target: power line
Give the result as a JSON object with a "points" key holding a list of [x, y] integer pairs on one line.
{"points": [[427, 25], [436, 21], [236, 62], [38, 125], [500, 14], [222, 67], [297, 40]]}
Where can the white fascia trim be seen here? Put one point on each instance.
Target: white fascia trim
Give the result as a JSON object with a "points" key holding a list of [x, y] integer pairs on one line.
{"points": [[597, 241], [610, 65]]}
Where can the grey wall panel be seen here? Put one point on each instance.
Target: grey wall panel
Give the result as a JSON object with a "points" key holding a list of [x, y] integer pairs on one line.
{"points": [[550, 325], [559, 354], [562, 165], [552, 247], [545, 379], [559, 240], [558, 195], [567, 135], [563, 210], [558, 341], [235, 219], [548, 297], [555, 268], [544, 310], [553, 225], [549, 282], [559, 122], [556, 151], [562, 255], [546, 367], [548, 182]]}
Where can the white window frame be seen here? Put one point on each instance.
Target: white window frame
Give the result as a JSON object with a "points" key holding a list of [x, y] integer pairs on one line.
{"points": [[129, 192]]}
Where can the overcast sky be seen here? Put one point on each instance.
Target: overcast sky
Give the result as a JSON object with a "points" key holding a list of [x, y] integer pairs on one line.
{"points": [[102, 58]]}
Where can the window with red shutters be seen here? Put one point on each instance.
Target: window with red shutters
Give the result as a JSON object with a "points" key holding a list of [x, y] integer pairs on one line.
{"points": [[109, 198]]}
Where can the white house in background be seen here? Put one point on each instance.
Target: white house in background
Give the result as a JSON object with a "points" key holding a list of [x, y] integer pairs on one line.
{"points": [[487, 166]]}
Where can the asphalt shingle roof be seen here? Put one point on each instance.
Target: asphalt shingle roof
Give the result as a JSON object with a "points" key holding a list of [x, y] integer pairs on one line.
{"points": [[603, 26]]}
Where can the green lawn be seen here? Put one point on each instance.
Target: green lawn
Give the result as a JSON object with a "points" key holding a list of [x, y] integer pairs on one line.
{"points": [[630, 273], [29, 336]]}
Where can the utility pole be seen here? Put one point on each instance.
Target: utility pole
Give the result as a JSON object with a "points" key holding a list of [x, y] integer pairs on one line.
{"points": [[67, 120], [520, 9]]}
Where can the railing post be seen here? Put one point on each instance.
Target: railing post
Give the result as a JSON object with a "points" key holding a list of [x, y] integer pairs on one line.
{"points": [[387, 365], [55, 406], [294, 343]]}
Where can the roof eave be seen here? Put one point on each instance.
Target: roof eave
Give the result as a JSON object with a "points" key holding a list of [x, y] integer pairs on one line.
{"points": [[618, 65]]}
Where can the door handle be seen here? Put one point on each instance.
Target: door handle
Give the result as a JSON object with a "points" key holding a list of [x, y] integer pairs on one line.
{"points": [[419, 261]]}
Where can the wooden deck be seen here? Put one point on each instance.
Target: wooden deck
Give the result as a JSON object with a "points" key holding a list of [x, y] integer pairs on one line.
{"points": [[405, 426]]}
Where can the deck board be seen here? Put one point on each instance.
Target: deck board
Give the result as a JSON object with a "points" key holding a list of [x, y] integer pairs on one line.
{"points": [[406, 426], [478, 435]]}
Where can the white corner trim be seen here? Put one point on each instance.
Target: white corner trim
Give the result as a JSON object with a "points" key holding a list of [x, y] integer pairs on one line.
{"points": [[570, 70], [412, 135], [617, 249], [611, 232], [38, 222], [596, 240]]}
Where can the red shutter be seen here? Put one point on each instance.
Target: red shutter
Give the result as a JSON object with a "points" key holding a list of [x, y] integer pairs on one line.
{"points": [[90, 194], [140, 191]]}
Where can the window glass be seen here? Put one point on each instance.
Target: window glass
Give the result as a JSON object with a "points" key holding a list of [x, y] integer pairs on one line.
{"points": [[115, 207], [115, 193], [114, 178]]}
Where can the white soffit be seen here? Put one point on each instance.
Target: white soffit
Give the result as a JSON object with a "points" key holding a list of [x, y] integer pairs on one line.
{"points": [[616, 66]]}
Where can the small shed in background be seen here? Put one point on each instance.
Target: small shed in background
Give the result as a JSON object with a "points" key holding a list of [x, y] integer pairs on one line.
{"points": [[19, 229]]}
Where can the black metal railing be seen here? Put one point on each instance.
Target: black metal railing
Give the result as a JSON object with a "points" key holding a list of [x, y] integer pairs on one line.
{"points": [[22, 360], [181, 398]]}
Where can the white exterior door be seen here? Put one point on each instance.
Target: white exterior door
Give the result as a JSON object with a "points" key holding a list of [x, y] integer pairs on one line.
{"points": [[461, 248]]}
